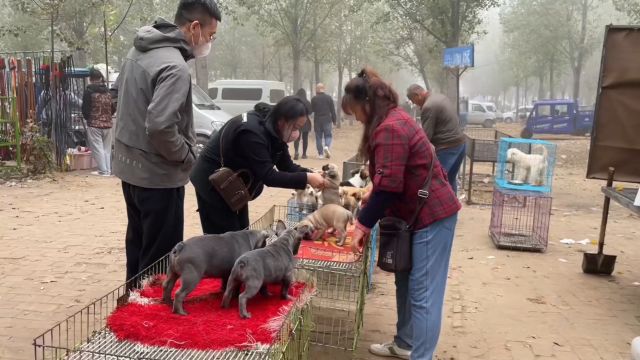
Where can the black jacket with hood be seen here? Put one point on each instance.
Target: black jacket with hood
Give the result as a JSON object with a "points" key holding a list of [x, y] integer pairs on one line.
{"points": [[155, 137], [255, 146]]}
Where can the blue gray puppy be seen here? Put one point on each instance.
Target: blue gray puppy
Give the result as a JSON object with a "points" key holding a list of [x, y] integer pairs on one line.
{"points": [[208, 256], [257, 268]]}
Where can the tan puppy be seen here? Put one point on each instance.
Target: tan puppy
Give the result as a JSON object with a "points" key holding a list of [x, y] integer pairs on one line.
{"points": [[351, 201], [329, 216], [331, 192]]}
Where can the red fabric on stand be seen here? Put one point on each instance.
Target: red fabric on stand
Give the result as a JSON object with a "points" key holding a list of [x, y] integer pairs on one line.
{"points": [[207, 327]]}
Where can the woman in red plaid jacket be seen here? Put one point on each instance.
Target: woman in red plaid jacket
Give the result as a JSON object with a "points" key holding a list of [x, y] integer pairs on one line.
{"points": [[400, 155]]}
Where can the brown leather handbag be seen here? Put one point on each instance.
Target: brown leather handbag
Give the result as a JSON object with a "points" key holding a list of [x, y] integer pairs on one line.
{"points": [[233, 186]]}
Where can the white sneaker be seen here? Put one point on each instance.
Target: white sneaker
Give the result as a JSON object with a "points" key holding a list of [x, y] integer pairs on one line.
{"points": [[96, 173], [389, 350], [327, 153]]}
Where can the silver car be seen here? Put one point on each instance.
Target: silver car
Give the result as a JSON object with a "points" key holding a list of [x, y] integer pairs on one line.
{"points": [[207, 117]]}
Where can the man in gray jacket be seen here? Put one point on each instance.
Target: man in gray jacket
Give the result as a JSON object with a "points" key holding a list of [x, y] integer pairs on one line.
{"points": [[441, 123], [155, 137]]}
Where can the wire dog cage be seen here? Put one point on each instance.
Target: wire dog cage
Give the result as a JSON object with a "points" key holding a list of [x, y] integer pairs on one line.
{"points": [[341, 286], [520, 220], [85, 334], [481, 147], [525, 164]]}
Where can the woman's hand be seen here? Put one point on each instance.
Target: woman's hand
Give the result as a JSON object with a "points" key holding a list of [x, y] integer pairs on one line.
{"points": [[359, 240], [315, 180]]}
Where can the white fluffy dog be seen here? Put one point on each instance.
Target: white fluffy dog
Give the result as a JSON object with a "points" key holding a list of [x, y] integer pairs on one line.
{"points": [[529, 168]]}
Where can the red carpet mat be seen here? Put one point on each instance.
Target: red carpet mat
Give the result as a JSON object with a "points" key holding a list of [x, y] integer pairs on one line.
{"points": [[208, 326], [327, 250]]}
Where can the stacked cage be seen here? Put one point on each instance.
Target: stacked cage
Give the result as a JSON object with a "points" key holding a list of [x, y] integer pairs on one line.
{"points": [[85, 335], [521, 209], [341, 285]]}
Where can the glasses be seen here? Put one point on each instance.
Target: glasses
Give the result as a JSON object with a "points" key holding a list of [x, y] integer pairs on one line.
{"points": [[211, 37]]}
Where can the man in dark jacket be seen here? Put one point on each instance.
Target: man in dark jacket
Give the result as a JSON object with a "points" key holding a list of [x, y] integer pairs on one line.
{"points": [[96, 109], [324, 117], [440, 121], [155, 137]]}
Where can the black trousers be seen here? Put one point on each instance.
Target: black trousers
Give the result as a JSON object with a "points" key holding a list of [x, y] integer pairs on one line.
{"points": [[305, 143], [217, 218], [156, 224]]}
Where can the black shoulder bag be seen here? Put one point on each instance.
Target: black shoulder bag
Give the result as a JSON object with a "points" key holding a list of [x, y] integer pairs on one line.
{"points": [[396, 234]]}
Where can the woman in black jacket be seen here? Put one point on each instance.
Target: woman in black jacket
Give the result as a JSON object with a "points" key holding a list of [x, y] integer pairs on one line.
{"points": [[260, 145], [302, 94]]}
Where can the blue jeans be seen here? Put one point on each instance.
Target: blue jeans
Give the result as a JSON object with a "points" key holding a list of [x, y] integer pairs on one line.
{"points": [[420, 293], [323, 132], [451, 159]]}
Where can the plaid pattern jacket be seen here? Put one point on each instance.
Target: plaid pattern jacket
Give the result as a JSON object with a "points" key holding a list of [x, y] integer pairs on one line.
{"points": [[399, 158]]}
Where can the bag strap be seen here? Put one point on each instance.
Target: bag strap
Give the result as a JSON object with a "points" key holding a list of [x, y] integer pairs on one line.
{"points": [[423, 193], [224, 128]]}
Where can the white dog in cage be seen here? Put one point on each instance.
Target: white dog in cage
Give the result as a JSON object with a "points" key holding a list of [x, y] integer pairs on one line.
{"points": [[528, 168]]}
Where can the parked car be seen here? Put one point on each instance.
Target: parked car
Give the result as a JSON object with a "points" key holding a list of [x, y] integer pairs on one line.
{"points": [[478, 114], [558, 117], [523, 114], [492, 108], [207, 117], [238, 96]]}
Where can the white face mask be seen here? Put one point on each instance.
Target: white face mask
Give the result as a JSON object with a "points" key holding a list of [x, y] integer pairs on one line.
{"points": [[203, 48]]}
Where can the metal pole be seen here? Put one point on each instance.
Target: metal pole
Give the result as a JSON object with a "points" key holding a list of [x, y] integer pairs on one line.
{"points": [[106, 40]]}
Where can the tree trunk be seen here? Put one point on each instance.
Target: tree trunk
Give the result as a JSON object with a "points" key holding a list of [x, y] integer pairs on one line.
{"points": [[280, 68], [517, 102], [202, 74], [541, 86], [526, 91], [577, 72], [80, 58], [423, 73], [316, 68], [551, 70], [580, 57], [339, 102], [297, 58]]}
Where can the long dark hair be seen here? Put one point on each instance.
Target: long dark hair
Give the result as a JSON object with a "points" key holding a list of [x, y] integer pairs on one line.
{"points": [[376, 98], [302, 94], [289, 109]]}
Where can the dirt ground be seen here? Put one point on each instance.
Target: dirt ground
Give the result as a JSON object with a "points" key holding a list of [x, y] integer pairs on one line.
{"points": [[62, 245]]}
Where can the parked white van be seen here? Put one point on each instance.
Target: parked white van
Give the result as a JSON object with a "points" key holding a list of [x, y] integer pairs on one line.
{"points": [[238, 96], [480, 115]]}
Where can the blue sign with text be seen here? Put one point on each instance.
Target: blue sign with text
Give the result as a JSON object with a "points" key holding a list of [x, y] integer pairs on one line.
{"points": [[459, 57]]}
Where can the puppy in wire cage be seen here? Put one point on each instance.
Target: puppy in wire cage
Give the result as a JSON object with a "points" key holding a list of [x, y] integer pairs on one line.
{"points": [[306, 199], [330, 216], [528, 168]]}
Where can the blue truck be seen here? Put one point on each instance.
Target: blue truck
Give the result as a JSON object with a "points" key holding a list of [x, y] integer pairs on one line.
{"points": [[558, 117]]}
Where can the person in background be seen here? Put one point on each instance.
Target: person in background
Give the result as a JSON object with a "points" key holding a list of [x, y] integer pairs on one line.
{"points": [[324, 117], [260, 145], [155, 136], [441, 124], [97, 111], [302, 94], [400, 156]]}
